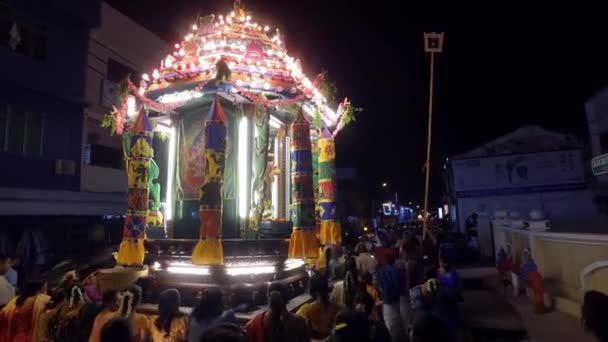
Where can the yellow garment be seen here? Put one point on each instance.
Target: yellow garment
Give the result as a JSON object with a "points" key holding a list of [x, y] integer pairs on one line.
{"points": [[373, 292], [10, 310], [208, 252], [303, 244], [131, 253], [139, 327], [177, 333], [319, 318]]}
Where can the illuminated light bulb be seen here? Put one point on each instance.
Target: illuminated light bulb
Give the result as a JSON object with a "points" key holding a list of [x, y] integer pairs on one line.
{"points": [[177, 46], [155, 74], [226, 28], [270, 52], [145, 77], [187, 38], [231, 65], [279, 54], [248, 18], [293, 90], [182, 52], [277, 65], [203, 39], [233, 46], [242, 19], [242, 47], [251, 68], [242, 35], [266, 85], [247, 24], [255, 25], [239, 83], [168, 62], [268, 64], [232, 14], [278, 41], [175, 53], [258, 63], [263, 69], [229, 20], [221, 22], [201, 60], [266, 28], [192, 65], [280, 89], [194, 27], [253, 84], [248, 61], [221, 17], [217, 25]]}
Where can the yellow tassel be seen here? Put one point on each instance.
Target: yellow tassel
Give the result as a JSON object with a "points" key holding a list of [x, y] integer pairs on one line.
{"points": [[296, 245], [131, 253], [208, 252], [311, 244], [331, 233]]}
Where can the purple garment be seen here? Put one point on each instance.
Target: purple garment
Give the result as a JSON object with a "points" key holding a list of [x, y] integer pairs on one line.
{"points": [[92, 292]]}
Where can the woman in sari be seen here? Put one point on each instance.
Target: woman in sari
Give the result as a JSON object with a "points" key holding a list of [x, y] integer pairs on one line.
{"points": [[170, 325], [73, 319], [129, 300], [106, 314], [19, 317]]}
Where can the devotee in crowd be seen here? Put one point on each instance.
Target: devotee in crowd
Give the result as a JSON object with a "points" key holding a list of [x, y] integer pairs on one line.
{"points": [[321, 312], [7, 291], [116, 330], [365, 262], [208, 313], [225, 332], [277, 324], [74, 317], [343, 291], [19, 317], [365, 304], [449, 278], [138, 323], [106, 313], [391, 283], [593, 314], [91, 291], [371, 290], [350, 326], [170, 325], [41, 331]]}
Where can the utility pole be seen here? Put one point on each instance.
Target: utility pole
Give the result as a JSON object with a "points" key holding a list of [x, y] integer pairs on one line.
{"points": [[433, 43]]}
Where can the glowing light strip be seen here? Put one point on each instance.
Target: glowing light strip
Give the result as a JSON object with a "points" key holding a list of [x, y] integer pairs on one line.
{"points": [[292, 264], [274, 122], [170, 174], [243, 166], [181, 96], [188, 270], [236, 271], [275, 181]]}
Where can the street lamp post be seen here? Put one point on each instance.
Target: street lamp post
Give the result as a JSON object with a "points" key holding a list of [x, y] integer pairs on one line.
{"points": [[433, 43]]}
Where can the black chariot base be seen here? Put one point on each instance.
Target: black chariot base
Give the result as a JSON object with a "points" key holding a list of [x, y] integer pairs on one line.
{"points": [[250, 266]]}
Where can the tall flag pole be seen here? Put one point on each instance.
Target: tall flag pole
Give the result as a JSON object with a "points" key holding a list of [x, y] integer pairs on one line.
{"points": [[208, 249], [303, 242], [131, 251], [330, 232]]}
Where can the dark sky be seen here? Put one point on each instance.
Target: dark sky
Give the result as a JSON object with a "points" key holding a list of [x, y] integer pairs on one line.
{"points": [[502, 67]]}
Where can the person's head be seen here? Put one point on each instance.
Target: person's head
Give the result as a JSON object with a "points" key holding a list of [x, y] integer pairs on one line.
{"points": [[129, 299], [428, 328], [15, 260], [74, 295], [319, 289], [277, 299], [350, 326], [31, 289], [4, 264], [444, 265], [168, 309], [224, 332], [109, 300], [210, 306], [116, 330], [593, 315], [364, 303]]}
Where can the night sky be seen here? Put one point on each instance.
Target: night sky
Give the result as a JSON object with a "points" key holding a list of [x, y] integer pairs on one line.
{"points": [[502, 68]]}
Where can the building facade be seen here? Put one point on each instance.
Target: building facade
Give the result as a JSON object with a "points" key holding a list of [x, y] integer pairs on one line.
{"points": [[528, 169], [43, 52]]}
